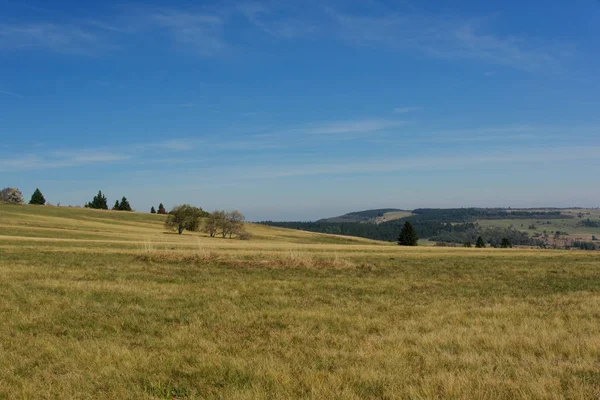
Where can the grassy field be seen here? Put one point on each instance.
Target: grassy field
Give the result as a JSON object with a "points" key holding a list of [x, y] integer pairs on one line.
{"points": [[392, 215], [101, 304]]}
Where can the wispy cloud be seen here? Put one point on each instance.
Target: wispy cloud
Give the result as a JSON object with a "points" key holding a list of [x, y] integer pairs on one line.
{"points": [[60, 159], [276, 23], [447, 37], [405, 110], [390, 165], [18, 96], [356, 126], [178, 144], [62, 38], [201, 32], [207, 31]]}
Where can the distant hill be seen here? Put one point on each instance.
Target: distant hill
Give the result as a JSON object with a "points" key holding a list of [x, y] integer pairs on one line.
{"points": [[543, 227], [369, 216]]}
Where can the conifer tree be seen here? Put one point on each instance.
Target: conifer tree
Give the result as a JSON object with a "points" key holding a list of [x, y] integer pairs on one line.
{"points": [[152, 210], [125, 206], [99, 202], [37, 198], [408, 236], [117, 206], [161, 209], [480, 244], [505, 243]]}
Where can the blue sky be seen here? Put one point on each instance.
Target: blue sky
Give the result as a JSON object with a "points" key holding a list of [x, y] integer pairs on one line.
{"points": [[301, 110]]}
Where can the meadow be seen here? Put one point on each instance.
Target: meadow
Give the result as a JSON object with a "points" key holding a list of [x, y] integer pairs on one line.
{"points": [[102, 304]]}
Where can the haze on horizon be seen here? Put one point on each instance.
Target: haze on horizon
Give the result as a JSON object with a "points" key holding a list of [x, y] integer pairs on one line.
{"points": [[299, 112]]}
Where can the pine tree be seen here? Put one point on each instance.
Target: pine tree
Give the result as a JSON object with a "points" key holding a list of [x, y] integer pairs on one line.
{"points": [[152, 210], [408, 236], [505, 243], [124, 205], [161, 209], [117, 206], [98, 202], [480, 244], [37, 198]]}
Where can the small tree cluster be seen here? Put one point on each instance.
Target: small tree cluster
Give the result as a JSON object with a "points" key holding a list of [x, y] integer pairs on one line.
{"points": [[505, 243], [225, 224], [37, 198], [11, 196], [122, 206], [184, 217], [408, 236], [99, 202]]}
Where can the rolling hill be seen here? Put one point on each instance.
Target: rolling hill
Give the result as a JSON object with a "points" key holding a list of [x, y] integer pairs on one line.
{"points": [[547, 227]]}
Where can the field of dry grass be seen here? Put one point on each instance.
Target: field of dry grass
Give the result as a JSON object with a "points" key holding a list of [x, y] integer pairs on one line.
{"points": [[100, 304]]}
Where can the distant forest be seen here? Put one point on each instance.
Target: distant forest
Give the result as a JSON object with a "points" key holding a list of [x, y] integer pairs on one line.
{"points": [[453, 225]]}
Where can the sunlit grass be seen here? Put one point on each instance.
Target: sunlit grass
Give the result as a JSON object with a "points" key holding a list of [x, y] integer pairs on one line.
{"points": [[113, 313]]}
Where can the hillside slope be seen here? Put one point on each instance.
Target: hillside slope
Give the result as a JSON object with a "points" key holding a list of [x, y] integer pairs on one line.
{"points": [[130, 229], [369, 216]]}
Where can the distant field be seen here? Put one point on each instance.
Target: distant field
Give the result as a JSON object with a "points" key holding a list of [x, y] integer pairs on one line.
{"points": [[101, 304], [390, 216], [569, 225]]}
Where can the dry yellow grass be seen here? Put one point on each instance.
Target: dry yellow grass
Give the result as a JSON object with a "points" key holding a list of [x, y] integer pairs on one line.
{"points": [[107, 305]]}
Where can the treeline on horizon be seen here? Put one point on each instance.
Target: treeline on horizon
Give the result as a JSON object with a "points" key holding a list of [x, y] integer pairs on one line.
{"points": [[453, 225]]}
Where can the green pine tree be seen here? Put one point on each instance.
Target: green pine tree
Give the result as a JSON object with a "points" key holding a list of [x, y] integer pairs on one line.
{"points": [[152, 210], [161, 209], [124, 205], [117, 206], [37, 198], [408, 236], [480, 244], [505, 243], [99, 202]]}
